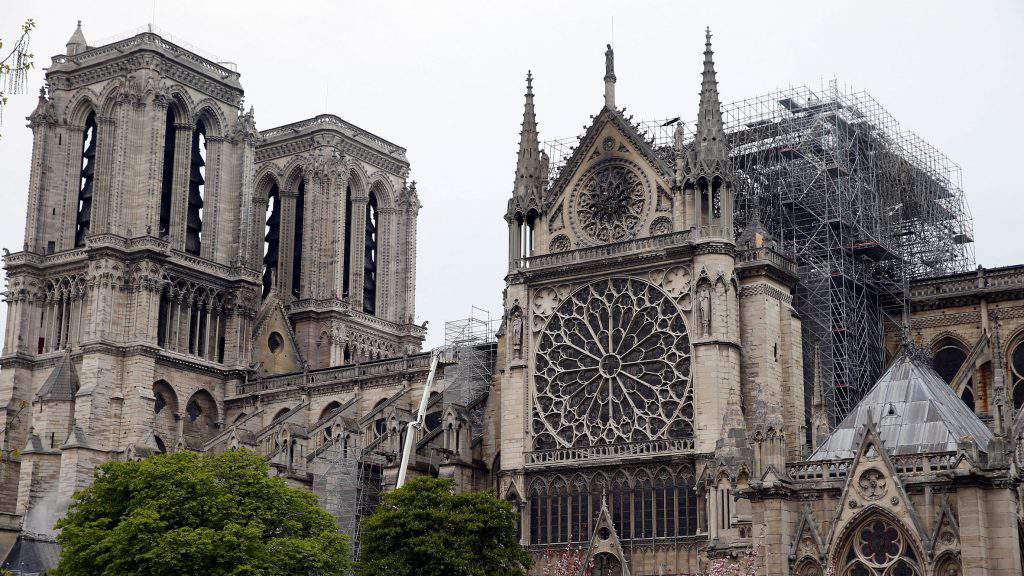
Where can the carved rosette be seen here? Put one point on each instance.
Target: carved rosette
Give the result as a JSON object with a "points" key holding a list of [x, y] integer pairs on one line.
{"points": [[610, 201], [612, 366]]}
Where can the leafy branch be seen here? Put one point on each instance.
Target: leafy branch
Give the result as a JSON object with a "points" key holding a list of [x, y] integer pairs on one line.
{"points": [[15, 65]]}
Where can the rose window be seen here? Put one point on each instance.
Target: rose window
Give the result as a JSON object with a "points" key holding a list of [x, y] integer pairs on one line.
{"points": [[879, 548], [610, 201], [613, 365]]}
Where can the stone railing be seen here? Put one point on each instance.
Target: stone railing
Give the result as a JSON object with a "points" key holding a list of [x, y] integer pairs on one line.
{"points": [[332, 121], [143, 38], [604, 251], [825, 470], [968, 282], [418, 362], [769, 255], [609, 451]]}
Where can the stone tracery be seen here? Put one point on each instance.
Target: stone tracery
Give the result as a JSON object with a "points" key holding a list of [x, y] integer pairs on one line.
{"points": [[613, 365], [610, 201]]}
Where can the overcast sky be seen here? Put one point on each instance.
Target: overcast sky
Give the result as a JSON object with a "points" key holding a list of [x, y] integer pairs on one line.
{"points": [[446, 79]]}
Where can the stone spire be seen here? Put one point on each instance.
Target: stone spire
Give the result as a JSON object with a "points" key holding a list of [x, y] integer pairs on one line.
{"points": [[77, 41], [528, 165], [710, 139], [609, 78]]}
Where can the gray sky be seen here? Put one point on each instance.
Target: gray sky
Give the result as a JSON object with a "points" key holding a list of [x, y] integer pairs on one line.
{"points": [[445, 80]]}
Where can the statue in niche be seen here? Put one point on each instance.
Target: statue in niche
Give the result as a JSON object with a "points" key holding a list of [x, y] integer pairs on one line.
{"points": [[704, 310], [516, 330]]}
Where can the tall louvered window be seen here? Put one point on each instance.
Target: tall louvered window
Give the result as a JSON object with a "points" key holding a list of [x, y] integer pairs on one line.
{"points": [[167, 178], [347, 269], [84, 213], [196, 191], [370, 257], [271, 238], [300, 208]]}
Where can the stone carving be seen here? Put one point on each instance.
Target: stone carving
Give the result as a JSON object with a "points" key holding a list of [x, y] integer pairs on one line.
{"points": [[704, 309], [610, 201], [661, 225], [613, 365], [872, 484], [560, 243], [516, 331]]}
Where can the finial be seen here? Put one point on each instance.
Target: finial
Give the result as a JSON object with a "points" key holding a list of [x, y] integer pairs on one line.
{"points": [[609, 78], [79, 24], [529, 82], [707, 35]]}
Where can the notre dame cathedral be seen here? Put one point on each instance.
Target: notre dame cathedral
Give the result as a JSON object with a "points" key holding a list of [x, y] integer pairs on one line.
{"points": [[657, 395]]}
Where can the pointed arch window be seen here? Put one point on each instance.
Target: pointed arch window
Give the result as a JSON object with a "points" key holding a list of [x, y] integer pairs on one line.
{"points": [[271, 237], [167, 177], [347, 266], [83, 215], [196, 190], [1017, 375], [300, 209], [948, 358], [370, 256]]}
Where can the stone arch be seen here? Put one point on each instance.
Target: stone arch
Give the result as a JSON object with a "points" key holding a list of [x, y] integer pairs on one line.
{"points": [[201, 418], [875, 550], [178, 97], [76, 111], [382, 187], [166, 409], [331, 407], [210, 113]]}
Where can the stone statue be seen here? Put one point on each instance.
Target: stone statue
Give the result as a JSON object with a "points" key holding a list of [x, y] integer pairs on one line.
{"points": [[517, 333], [704, 310]]}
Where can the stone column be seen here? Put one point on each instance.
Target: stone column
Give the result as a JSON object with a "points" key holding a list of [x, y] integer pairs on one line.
{"points": [[358, 236]]}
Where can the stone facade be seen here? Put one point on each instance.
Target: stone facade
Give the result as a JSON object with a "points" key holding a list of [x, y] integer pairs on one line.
{"points": [[643, 401]]}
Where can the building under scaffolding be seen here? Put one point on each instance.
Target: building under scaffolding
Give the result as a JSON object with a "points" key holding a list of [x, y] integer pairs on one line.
{"points": [[863, 206], [348, 469]]}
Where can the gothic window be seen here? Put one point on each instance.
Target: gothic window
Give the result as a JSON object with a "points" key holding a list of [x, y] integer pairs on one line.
{"points": [[565, 511], [167, 177], [84, 213], [196, 190], [271, 237], [370, 254], [200, 418], [613, 366], [300, 213], [610, 201], [879, 548], [347, 270], [948, 358], [1017, 375]]}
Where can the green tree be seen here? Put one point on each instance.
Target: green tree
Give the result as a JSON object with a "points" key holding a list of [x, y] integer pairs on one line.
{"points": [[185, 513], [426, 529]]}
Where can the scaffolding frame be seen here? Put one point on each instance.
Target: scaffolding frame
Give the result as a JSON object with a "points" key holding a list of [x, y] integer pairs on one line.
{"points": [[863, 206]]}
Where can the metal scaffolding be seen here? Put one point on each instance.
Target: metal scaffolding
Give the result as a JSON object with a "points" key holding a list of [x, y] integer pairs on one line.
{"points": [[472, 341], [863, 206]]}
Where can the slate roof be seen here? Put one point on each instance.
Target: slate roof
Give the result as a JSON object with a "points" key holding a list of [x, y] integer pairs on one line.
{"points": [[915, 412], [62, 383]]}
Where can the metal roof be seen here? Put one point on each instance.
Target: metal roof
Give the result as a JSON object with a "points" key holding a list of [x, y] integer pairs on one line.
{"points": [[915, 412]]}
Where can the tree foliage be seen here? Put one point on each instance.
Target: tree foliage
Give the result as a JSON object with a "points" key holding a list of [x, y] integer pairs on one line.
{"points": [[426, 529], [186, 513], [15, 65]]}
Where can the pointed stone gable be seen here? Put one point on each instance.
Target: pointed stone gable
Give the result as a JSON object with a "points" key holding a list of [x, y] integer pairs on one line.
{"points": [[607, 123], [873, 485], [916, 412], [807, 540], [605, 540], [275, 349]]}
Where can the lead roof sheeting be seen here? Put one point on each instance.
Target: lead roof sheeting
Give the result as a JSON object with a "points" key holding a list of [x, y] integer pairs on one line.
{"points": [[916, 412]]}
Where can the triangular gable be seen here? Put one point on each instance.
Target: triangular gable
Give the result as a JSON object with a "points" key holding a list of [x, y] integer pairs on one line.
{"points": [[872, 483], [807, 541], [604, 540], [285, 358], [604, 123], [946, 533]]}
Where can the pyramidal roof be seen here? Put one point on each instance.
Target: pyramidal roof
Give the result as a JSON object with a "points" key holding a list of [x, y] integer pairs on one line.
{"points": [[915, 411], [62, 383]]}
